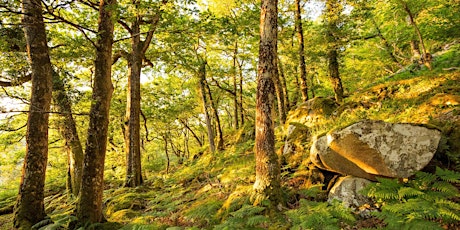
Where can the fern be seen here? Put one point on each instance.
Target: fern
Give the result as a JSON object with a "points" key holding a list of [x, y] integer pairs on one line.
{"points": [[319, 215], [247, 217], [425, 202], [447, 175]]}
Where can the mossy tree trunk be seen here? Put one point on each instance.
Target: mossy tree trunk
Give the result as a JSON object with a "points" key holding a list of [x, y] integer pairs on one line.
{"points": [[235, 87], [204, 101], [284, 85], [280, 99], [333, 11], [133, 107], [302, 68], [426, 56], [29, 208], [89, 206], [267, 184], [70, 134], [212, 104]]}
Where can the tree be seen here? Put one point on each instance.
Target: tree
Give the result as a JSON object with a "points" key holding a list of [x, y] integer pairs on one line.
{"points": [[426, 56], [132, 120], [29, 208], [204, 100], [89, 206], [303, 70], [333, 12], [267, 184], [70, 134]]}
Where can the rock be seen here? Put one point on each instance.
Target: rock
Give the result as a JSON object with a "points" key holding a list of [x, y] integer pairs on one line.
{"points": [[369, 148], [347, 189], [313, 112]]}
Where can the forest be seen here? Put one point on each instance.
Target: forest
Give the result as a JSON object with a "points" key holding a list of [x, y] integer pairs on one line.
{"points": [[232, 114]]}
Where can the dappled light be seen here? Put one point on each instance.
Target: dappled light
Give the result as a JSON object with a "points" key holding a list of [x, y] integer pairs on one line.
{"points": [[142, 114]]}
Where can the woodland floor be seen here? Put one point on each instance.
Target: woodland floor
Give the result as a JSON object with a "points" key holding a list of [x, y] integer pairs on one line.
{"points": [[209, 191]]}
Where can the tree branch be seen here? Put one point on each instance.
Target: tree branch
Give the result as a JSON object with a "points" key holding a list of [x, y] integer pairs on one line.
{"points": [[17, 82]]}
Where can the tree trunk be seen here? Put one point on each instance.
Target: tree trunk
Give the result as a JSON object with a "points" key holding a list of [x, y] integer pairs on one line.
{"points": [[240, 69], [386, 45], [89, 206], [303, 70], [165, 139], [335, 75], [193, 133], [204, 100], [267, 184], [70, 134], [235, 86], [133, 108], [426, 57], [333, 9], [29, 208], [284, 85], [220, 135], [280, 99]]}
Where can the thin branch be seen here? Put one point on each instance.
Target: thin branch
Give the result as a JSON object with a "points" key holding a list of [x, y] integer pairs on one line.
{"points": [[25, 101], [17, 82], [126, 26], [14, 130], [222, 88], [145, 127], [90, 4]]}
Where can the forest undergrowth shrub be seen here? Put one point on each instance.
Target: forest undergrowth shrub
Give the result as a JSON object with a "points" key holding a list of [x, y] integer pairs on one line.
{"points": [[429, 201], [320, 215]]}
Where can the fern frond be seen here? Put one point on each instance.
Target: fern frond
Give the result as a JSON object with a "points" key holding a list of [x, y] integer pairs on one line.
{"points": [[256, 220], [446, 188], [448, 203], [408, 192], [447, 175], [385, 189], [247, 210], [423, 180]]}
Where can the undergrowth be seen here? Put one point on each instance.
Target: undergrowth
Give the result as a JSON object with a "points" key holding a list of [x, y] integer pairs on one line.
{"points": [[429, 201]]}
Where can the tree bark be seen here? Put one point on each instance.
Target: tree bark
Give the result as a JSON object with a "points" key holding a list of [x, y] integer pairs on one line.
{"points": [[240, 69], [204, 100], [280, 99], [193, 133], [333, 9], [29, 208], [70, 134], [133, 107], [284, 85], [303, 70], [386, 45], [267, 184], [235, 86], [426, 56], [212, 104], [89, 206]]}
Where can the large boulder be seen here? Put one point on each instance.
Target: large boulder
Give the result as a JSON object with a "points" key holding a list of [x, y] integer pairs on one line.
{"points": [[374, 148], [347, 189]]}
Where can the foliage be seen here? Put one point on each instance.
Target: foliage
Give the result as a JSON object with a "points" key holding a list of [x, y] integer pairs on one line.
{"points": [[426, 202], [320, 215], [247, 217]]}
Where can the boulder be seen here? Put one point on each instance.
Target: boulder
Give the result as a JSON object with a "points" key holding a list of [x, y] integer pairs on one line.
{"points": [[313, 112], [347, 190], [375, 148]]}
